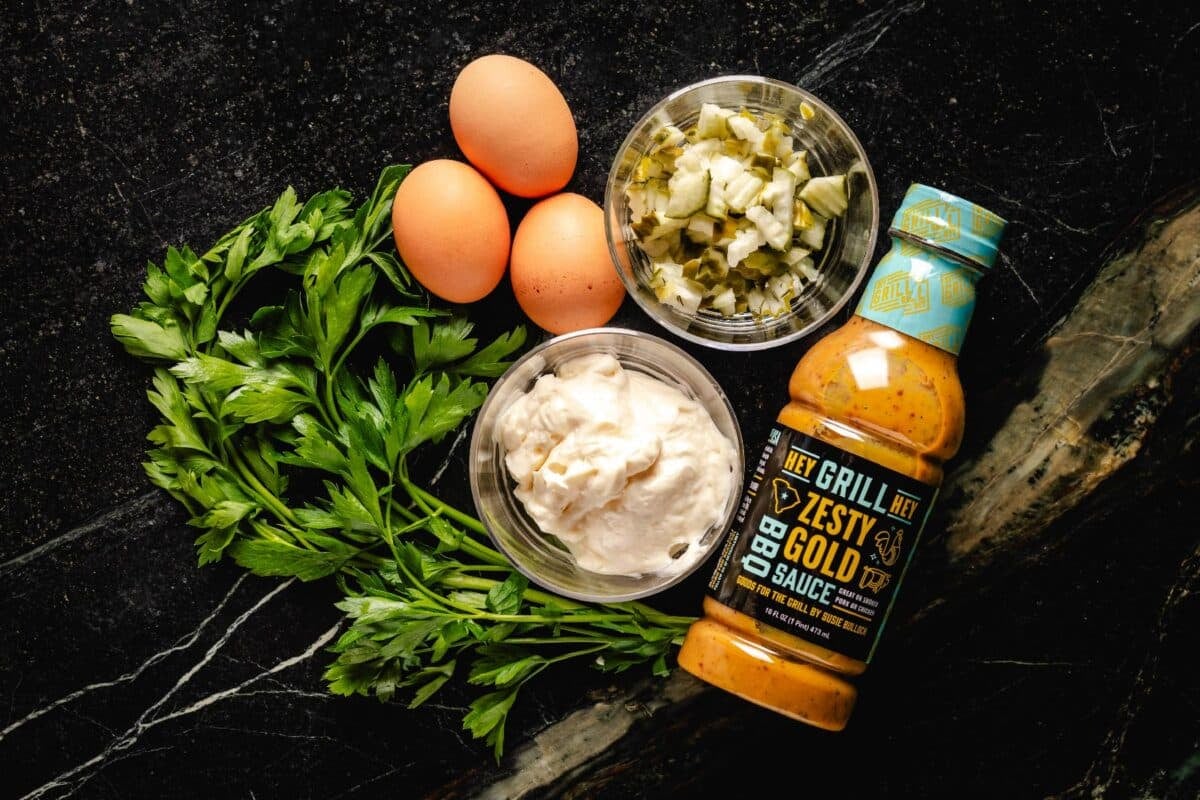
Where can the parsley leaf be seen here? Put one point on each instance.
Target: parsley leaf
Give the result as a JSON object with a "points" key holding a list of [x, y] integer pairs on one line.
{"points": [[265, 557]]}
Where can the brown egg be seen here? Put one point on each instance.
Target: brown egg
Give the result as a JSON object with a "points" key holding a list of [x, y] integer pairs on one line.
{"points": [[514, 125], [562, 273], [451, 230]]}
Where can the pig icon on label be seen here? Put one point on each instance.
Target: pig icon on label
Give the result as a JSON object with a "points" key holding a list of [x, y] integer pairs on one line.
{"points": [[874, 579]]}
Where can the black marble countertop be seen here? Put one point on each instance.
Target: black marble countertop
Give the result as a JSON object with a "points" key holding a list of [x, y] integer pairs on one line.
{"points": [[1056, 666]]}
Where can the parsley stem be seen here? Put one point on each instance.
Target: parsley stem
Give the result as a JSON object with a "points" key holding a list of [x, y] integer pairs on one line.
{"points": [[383, 237], [550, 620], [232, 461], [475, 613], [433, 505], [387, 517], [450, 511], [370, 558], [467, 544], [445, 601], [551, 640], [281, 511], [333, 414], [320, 407], [544, 598], [587, 651], [230, 293], [337, 365]]}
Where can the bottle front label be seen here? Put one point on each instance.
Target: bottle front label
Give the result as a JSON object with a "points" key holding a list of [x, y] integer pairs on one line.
{"points": [[820, 543]]}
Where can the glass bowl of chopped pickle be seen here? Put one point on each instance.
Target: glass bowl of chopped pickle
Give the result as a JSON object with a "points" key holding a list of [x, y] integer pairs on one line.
{"points": [[741, 212]]}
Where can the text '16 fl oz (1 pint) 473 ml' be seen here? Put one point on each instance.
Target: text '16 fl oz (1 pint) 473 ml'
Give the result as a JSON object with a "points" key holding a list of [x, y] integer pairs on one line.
{"points": [[831, 517]]}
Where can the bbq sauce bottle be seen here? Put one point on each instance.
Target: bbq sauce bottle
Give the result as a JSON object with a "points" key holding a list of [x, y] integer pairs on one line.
{"points": [[849, 473]]}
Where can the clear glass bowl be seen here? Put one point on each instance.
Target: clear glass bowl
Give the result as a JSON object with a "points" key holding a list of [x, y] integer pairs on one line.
{"points": [[850, 240], [541, 558]]}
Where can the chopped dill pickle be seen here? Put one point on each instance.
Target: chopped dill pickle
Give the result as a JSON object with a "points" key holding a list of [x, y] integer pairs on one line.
{"points": [[669, 136], [646, 169], [764, 160], [644, 227], [802, 217], [712, 122], [725, 302], [826, 196], [797, 164], [712, 270], [761, 262], [813, 236], [688, 193], [665, 157], [729, 213]]}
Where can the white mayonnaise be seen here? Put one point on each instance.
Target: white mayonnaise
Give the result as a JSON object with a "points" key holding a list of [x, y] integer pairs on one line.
{"points": [[626, 470]]}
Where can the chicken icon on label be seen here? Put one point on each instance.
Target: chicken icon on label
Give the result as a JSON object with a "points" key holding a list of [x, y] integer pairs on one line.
{"points": [[888, 545]]}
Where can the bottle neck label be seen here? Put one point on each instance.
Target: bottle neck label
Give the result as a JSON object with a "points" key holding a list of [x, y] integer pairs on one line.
{"points": [[922, 294]]}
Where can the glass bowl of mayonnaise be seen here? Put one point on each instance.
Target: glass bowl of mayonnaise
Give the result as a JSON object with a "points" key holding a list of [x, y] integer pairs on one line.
{"points": [[606, 464]]}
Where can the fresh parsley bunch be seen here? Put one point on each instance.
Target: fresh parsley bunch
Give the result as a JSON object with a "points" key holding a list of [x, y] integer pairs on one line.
{"points": [[292, 464]]}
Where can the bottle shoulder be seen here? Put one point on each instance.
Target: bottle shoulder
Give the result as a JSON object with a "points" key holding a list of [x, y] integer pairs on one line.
{"points": [[898, 393]]}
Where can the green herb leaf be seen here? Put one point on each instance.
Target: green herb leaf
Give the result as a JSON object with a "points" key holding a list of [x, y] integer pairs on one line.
{"points": [[341, 306], [236, 257], [243, 347], [438, 677], [433, 410], [487, 717], [265, 402], [315, 447], [285, 329], [226, 514], [349, 510], [181, 430], [393, 270], [264, 557], [503, 665], [146, 339], [441, 342], [211, 545], [373, 316], [490, 361], [206, 325], [211, 373], [505, 598]]}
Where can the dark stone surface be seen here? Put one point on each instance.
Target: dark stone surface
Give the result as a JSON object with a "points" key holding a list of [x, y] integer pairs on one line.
{"points": [[128, 672]]}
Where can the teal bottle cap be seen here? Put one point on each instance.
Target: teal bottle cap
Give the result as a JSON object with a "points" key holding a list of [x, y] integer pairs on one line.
{"points": [[950, 224]]}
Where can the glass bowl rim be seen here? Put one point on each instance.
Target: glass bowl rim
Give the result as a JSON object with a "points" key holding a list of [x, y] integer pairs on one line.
{"points": [[477, 446], [633, 288]]}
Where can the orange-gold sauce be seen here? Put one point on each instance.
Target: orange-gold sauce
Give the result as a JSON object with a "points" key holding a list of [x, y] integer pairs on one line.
{"points": [[874, 393]]}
